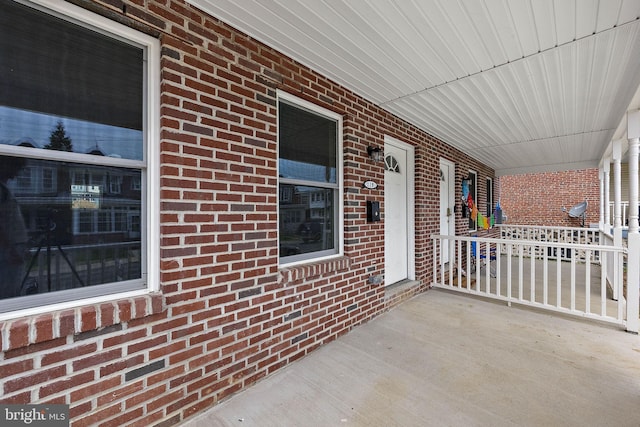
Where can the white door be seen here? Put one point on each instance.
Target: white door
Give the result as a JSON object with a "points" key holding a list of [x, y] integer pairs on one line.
{"points": [[447, 202], [398, 211]]}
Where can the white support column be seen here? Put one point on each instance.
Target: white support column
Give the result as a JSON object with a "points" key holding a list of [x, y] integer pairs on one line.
{"points": [[633, 264], [607, 212], [617, 203], [603, 225], [617, 193]]}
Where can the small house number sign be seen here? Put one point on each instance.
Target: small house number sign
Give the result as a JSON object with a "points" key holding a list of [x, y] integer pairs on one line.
{"points": [[371, 185]]}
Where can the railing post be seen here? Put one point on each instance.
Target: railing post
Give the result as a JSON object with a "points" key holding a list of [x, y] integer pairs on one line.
{"points": [[633, 266], [617, 204]]}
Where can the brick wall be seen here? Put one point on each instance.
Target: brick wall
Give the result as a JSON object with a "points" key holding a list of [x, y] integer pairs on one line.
{"points": [[226, 315], [538, 199]]}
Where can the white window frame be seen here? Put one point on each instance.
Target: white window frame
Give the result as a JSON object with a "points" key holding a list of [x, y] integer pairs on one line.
{"points": [[475, 200], [490, 201], [339, 219], [149, 166]]}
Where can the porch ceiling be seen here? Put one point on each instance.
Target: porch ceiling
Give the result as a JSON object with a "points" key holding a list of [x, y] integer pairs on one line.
{"points": [[522, 86]]}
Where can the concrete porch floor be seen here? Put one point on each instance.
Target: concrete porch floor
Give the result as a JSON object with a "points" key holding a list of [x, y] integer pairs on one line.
{"points": [[444, 359]]}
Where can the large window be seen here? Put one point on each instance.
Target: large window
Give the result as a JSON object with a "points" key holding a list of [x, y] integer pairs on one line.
{"points": [[309, 167], [473, 190], [489, 197], [77, 105]]}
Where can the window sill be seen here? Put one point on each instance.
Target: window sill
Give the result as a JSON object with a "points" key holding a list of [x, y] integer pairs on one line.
{"points": [[313, 269], [26, 331]]}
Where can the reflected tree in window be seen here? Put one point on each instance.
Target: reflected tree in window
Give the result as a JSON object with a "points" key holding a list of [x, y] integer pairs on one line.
{"points": [[59, 140]]}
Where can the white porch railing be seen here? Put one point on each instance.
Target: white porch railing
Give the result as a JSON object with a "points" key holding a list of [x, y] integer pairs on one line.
{"points": [[528, 272], [575, 235], [624, 206]]}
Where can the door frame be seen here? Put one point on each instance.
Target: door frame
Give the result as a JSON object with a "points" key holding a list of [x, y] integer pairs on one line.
{"points": [[451, 187], [411, 203]]}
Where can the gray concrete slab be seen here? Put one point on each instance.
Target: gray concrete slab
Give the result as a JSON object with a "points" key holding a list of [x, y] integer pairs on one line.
{"points": [[444, 359]]}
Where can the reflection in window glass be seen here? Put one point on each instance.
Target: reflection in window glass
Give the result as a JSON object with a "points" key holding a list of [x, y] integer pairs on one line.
{"points": [[306, 220], [74, 235]]}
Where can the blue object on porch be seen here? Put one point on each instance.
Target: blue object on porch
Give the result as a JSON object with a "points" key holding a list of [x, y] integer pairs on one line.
{"points": [[481, 255]]}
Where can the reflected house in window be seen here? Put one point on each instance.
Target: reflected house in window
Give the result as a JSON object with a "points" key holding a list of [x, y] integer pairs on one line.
{"points": [[78, 202]]}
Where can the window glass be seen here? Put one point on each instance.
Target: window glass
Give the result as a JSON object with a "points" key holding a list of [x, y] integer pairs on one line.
{"points": [[68, 238], [308, 184], [306, 223]]}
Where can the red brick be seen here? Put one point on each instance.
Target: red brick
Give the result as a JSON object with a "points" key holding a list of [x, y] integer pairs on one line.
{"points": [[67, 323], [67, 354], [147, 395], [18, 334], [120, 393], [97, 359], [88, 318], [124, 418], [143, 345], [16, 399], [164, 400], [92, 390], [95, 417], [35, 378], [65, 384], [44, 327], [8, 369]]}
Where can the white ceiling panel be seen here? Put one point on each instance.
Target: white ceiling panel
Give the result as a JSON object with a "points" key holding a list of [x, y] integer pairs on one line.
{"points": [[521, 85]]}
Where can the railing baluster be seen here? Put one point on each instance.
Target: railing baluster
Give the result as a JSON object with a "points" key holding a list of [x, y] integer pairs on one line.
{"points": [[441, 244], [459, 261], [468, 283], [520, 272], [533, 276], [603, 282], [545, 277], [450, 247], [487, 271], [573, 280], [558, 282], [435, 260], [498, 262], [618, 273], [509, 281], [587, 281]]}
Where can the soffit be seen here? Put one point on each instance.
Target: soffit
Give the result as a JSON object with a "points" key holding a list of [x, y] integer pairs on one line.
{"points": [[520, 85]]}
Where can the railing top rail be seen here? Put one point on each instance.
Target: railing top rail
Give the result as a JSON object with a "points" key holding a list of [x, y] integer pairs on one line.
{"points": [[592, 247], [54, 247], [550, 227]]}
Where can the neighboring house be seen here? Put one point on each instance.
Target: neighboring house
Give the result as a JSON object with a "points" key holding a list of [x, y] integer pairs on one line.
{"points": [[235, 182], [546, 198]]}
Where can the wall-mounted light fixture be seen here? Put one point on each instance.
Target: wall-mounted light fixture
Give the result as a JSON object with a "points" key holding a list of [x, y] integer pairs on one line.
{"points": [[375, 153]]}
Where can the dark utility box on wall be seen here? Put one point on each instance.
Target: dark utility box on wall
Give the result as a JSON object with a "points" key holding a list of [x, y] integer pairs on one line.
{"points": [[373, 211]]}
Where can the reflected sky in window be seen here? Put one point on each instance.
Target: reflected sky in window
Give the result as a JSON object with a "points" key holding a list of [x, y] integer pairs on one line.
{"points": [[18, 126], [292, 169]]}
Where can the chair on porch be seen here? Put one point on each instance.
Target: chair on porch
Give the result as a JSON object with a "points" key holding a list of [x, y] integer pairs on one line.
{"points": [[479, 254]]}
